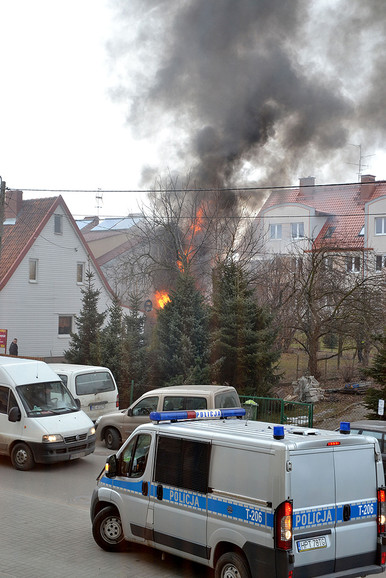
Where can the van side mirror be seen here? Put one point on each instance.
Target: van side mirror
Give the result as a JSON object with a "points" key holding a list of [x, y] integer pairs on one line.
{"points": [[130, 412], [14, 414], [111, 466], [77, 401]]}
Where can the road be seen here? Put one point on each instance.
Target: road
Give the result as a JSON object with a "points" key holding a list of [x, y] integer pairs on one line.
{"points": [[46, 529]]}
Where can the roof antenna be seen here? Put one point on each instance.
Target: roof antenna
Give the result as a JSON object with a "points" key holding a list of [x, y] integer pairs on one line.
{"points": [[99, 201], [359, 164]]}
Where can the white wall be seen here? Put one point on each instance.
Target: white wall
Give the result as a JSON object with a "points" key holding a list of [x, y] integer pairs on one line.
{"points": [[29, 311]]}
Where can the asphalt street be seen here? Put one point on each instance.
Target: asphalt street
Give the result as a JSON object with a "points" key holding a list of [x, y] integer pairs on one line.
{"points": [[46, 528]]}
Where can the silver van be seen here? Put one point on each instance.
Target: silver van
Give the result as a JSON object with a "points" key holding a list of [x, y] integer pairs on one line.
{"points": [[93, 385], [247, 498], [115, 428]]}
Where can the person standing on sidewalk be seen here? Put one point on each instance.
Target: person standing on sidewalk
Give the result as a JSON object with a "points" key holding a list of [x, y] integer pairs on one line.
{"points": [[13, 348]]}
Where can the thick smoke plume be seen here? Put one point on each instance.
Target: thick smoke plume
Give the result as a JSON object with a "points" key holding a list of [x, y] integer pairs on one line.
{"points": [[243, 91]]}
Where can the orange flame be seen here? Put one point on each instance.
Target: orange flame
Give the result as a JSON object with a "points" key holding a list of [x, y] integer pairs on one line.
{"points": [[162, 298]]}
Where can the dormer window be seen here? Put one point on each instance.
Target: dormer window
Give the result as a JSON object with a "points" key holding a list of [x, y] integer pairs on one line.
{"points": [[380, 225], [275, 231], [58, 224], [297, 230], [362, 232]]}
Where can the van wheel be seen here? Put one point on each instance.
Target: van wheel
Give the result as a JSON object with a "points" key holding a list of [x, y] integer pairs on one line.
{"points": [[112, 439], [232, 565], [107, 530], [22, 457]]}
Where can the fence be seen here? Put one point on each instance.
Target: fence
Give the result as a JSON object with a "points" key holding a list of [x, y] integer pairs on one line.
{"points": [[276, 410]]}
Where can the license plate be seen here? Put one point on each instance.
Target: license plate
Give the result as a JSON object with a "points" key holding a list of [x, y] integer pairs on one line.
{"points": [[311, 544], [97, 406], [77, 455]]}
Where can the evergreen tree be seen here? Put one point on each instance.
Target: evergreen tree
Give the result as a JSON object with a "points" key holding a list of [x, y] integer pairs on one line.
{"points": [[112, 341], [134, 345], [378, 372], [242, 338], [182, 336], [84, 346]]}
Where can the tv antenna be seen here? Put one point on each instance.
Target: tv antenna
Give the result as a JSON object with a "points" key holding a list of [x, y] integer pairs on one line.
{"points": [[360, 164], [99, 200]]}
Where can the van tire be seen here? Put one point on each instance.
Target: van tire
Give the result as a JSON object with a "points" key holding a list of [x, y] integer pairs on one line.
{"points": [[107, 530], [22, 457], [112, 438], [232, 565]]}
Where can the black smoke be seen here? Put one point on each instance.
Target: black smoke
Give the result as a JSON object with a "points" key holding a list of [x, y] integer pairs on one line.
{"points": [[281, 87]]}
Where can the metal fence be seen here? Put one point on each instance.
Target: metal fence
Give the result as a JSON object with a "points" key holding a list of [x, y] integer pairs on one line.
{"points": [[276, 410]]}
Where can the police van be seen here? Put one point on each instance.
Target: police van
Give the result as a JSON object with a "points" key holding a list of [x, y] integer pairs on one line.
{"points": [[247, 498]]}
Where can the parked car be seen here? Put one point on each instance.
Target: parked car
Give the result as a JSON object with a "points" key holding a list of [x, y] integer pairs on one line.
{"points": [[94, 386], [115, 428], [375, 428]]}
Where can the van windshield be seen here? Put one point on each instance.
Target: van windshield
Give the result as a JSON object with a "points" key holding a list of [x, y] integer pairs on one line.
{"points": [[47, 398]]}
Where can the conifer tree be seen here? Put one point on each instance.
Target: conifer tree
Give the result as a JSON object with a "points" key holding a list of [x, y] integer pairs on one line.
{"points": [[85, 346], [134, 345], [112, 341], [182, 336], [242, 338]]}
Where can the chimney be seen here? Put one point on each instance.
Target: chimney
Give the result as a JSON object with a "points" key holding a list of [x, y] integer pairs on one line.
{"points": [[13, 204], [367, 187], [306, 186]]}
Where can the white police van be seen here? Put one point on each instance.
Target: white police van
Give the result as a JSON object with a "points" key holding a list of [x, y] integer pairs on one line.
{"points": [[247, 498]]}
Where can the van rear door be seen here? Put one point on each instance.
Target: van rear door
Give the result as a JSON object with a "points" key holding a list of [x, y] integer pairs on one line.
{"points": [[335, 508]]}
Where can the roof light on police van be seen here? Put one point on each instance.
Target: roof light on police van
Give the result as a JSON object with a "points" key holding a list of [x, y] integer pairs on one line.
{"points": [[344, 427], [278, 432], [197, 414]]}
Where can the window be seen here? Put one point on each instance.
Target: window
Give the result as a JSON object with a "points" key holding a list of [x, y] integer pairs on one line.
{"points": [[65, 324], [380, 262], [353, 264], [93, 383], [134, 458], [181, 402], [79, 272], [275, 231], [33, 270], [7, 399], [177, 461], [329, 232], [380, 225], [58, 224], [297, 230], [227, 399], [146, 406]]}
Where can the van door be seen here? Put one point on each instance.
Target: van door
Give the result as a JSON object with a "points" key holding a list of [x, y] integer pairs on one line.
{"points": [[179, 498], [9, 431], [313, 493], [335, 507], [132, 486], [356, 503]]}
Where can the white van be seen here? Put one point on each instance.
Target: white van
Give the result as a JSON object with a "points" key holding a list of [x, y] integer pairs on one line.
{"points": [[247, 498], [40, 421], [94, 386]]}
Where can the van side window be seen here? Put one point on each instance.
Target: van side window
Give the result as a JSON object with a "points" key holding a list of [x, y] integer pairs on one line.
{"points": [[181, 402], [96, 382], [227, 399], [134, 458], [183, 463], [7, 399]]}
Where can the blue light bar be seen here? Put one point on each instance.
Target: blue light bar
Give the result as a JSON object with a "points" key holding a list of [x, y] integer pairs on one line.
{"points": [[344, 427], [197, 414]]}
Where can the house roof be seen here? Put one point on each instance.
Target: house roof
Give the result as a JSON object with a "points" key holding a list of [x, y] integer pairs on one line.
{"points": [[343, 205], [23, 230]]}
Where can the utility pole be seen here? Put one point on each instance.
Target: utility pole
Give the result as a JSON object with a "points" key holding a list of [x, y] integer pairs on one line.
{"points": [[2, 203]]}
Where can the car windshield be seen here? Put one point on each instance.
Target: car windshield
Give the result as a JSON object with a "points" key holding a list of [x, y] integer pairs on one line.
{"points": [[47, 398]]}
